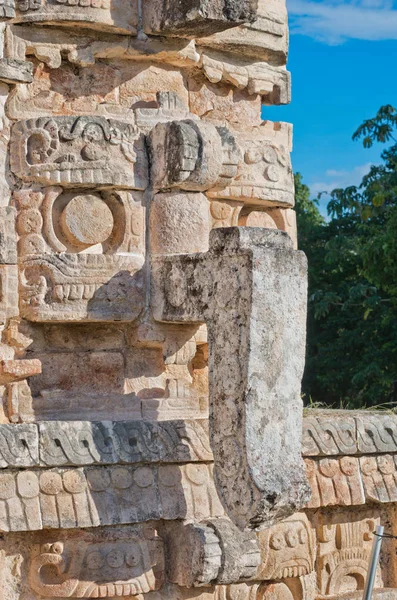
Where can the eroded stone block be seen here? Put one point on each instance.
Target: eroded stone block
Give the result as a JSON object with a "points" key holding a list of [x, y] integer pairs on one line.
{"points": [[19, 446], [251, 290], [8, 249], [81, 255], [379, 476], [123, 562], [107, 15], [196, 18], [16, 71], [79, 152], [8, 292]]}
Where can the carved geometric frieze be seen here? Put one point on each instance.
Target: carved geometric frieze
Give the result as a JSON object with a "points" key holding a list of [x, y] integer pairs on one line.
{"points": [[335, 481], [196, 18], [329, 433], [264, 175], [192, 155], [376, 433], [108, 15], [81, 255], [85, 443], [344, 548], [19, 445], [88, 497], [15, 71], [79, 152], [379, 475], [288, 549], [121, 562]]}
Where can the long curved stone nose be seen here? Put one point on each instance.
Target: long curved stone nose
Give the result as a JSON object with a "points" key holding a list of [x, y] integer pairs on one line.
{"points": [[250, 289]]}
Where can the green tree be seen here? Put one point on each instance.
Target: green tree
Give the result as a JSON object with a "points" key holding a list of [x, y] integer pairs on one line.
{"points": [[352, 320]]}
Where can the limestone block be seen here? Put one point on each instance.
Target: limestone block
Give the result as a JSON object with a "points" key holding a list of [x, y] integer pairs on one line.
{"points": [[240, 552], [250, 288], [8, 292], [7, 9], [179, 223], [376, 433], [19, 446], [15, 71], [265, 38], [195, 554], [81, 255], [8, 249], [192, 155], [335, 481], [19, 402], [122, 562], [196, 18], [264, 175], [288, 549], [16, 370], [379, 475], [86, 443], [344, 547], [327, 433], [79, 152], [67, 498], [107, 15]]}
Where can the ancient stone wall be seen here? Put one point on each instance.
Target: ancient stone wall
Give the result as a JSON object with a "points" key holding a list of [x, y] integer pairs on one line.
{"points": [[152, 319]]}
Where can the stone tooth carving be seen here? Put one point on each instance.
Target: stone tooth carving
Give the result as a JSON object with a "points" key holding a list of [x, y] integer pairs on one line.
{"points": [[196, 18], [335, 482], [376, 433], [78, 252], [329, 434], [19, 446], [85, 443], [345, 543], [254, 307], [192, 155], [79, 152], [38, 499], [127, 562], [195, 554], [379, 475], [264, 175], [108, 15], [288, 549]]}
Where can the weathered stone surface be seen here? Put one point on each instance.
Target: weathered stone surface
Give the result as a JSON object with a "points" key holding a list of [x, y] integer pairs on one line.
{"points": [[107, 15], [335, 481], [179, 223], [88, 497], [16, 370], [8, 248], [85, 443], [246, 311], [122, 562], [8, 292], [15, 71], [376, 433], [59, 281], [7, 8], [327, 433], [273, 218], [196, 18], [19, 446], [288, 549], [379, 475], [192, 155], [264, 175], [79, 152]]}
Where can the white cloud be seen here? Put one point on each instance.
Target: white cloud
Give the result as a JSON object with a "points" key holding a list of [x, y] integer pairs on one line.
{"points": [[334, 178], [333, 21]]}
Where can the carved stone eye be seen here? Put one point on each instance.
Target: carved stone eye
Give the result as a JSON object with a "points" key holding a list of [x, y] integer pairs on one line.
{"points": [[277, 541], [302, 536], [133, 557], [57, 548], [95, 560], [115, 559], [272, 173], [292, 538], [269, 155], [92, 133], [253, 156]]}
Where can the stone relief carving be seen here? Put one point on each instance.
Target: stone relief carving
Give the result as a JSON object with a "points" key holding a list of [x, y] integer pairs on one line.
{"points": [[128, 562], [81, 255], [79, 151]]}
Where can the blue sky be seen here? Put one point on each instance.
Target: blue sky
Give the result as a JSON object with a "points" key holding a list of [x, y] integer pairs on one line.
{"points": [[343, 59]]}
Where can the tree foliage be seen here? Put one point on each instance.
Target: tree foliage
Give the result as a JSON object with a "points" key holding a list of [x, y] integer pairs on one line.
{"points": [[352, 321]]}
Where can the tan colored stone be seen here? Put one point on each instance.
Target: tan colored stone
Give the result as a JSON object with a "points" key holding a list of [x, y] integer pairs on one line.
{"points": [[15, 370]]}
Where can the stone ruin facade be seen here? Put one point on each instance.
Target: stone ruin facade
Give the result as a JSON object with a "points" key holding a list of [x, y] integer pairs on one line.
{"points": [[152, 310]]}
